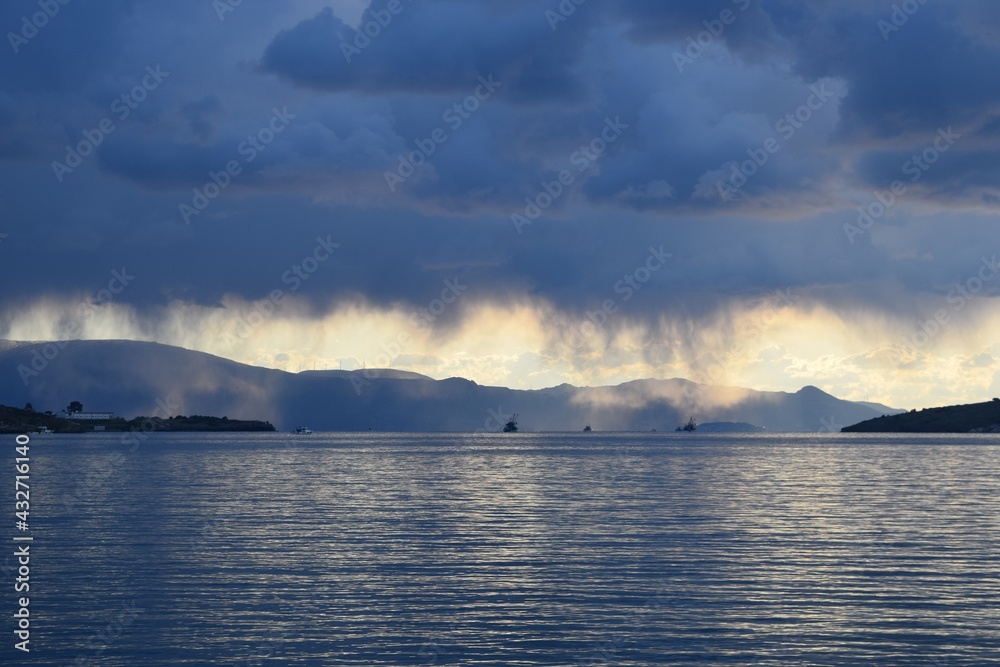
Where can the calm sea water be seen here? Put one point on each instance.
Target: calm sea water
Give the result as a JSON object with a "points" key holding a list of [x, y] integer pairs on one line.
{"points": [[558, 549]]}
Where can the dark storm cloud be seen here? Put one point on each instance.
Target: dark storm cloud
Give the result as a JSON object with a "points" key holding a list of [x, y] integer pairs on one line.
{"points": [[953, 177], [203, 117], [63, 55], [431, 47], [745, 26], [657, 183], [926, 71]]}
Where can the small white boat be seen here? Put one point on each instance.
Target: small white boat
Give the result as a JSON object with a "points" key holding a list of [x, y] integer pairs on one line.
{"points": [[302, 430], [45, 430]]}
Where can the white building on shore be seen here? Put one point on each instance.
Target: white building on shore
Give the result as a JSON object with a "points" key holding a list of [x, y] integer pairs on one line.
{"points": [[90, 416]]}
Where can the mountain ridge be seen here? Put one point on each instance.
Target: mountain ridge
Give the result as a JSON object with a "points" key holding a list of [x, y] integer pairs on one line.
{"points": [[135, 377]]}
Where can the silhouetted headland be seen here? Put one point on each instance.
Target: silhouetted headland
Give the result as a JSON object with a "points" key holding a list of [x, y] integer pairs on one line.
{"points": [[27, 420], [972, 418]]}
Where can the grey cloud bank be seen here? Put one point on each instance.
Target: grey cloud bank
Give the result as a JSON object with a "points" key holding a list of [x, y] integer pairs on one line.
{"points": [[706, 92]]}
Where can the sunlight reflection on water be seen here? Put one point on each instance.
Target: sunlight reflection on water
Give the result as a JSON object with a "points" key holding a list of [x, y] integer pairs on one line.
{"points": [[625, 549]]}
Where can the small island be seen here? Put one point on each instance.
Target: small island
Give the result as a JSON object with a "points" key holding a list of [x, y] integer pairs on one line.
{"points": [[74, 420], [971, 418]]}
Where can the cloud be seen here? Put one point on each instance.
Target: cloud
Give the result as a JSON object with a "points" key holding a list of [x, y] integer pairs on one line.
{"points": [[772, 345], [430, 47], [689, 136]]}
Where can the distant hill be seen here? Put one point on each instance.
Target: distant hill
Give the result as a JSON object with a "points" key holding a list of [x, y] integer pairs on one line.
{"points": [[134, 378], [972, 418]]}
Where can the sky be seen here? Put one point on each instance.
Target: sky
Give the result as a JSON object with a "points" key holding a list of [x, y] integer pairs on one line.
{"points": [[760, 193]]}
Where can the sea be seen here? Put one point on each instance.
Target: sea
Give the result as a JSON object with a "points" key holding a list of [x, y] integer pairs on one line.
{"points": [[507, 549]]}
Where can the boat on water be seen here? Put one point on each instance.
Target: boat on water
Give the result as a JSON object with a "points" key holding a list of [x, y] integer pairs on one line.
{"points": [[587, 428], [689, 427], [511, 425], [45, 430], [302, 430]]}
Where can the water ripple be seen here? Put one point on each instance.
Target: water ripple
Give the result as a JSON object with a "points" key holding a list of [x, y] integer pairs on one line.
{"points": [[563, 549]]}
